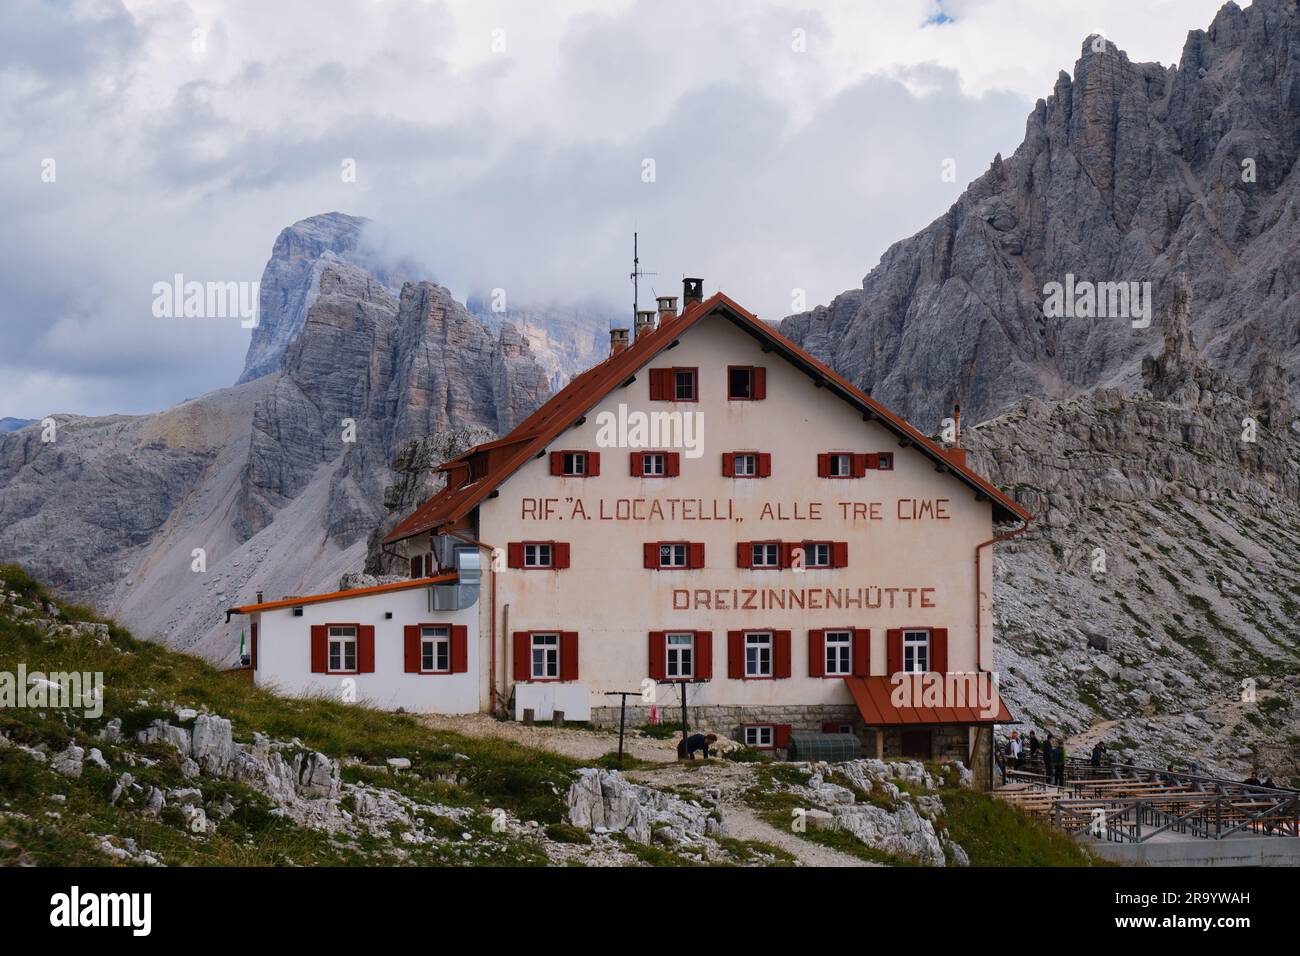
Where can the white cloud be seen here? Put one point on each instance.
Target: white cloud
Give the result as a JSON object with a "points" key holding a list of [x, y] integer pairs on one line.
{"points": [[516, 167]]}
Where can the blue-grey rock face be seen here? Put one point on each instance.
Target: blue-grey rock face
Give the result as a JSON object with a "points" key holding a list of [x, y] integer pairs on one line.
{"points": [[13, 424], [1129, 172], [291, 282]]}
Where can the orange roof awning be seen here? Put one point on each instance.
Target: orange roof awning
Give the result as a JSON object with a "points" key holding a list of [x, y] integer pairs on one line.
{"points": [[339, 595], [917, 701]]}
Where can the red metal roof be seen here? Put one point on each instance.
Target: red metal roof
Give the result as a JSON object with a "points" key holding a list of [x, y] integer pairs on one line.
{"points": [[873, 695], [339, 595], [506, 455]]}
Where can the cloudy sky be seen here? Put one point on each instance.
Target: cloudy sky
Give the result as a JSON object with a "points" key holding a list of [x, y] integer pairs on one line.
{"points": [[503, 143]]}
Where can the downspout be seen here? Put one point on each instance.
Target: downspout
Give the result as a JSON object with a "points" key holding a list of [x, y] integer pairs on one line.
{"points": [[492, 627], [979, 606]]}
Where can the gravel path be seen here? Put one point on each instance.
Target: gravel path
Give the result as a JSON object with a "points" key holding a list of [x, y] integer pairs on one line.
{"points": [[742, 824]]}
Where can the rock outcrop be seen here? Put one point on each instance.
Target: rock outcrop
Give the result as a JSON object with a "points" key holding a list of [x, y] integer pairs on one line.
{"points": [[1129, 172]]}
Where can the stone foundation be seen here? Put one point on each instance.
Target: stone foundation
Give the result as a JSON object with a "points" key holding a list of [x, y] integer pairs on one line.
{"points": [[728, 719]]}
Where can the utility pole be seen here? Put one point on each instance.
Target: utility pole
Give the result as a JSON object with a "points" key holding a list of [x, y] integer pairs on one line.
{"points": [[622, 716]]}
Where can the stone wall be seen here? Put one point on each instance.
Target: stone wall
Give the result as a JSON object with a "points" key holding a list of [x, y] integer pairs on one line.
{"points": [[728, 719]]}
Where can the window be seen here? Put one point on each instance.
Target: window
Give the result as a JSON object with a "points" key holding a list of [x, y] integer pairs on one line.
{"points": [[766, 554], [681, 655], [546, 656], [839, 653], [916, 652], [817, 554], [685, 385], [672, 555], [422, 566], [435, 650], [575, 463], [758, 654], [885, 461], [343, 650], [746, 465], [654, 464], [759, 736], [538, 555], [740, 382], [841, 466]]}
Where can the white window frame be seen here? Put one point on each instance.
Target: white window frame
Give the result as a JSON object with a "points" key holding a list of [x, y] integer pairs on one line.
{"points": [[433, 638], [548, 645], [841, 464], [760, 664], [574, 464], [341, 636], [838, 652], [755, 733], [812, 552], [694, 389], [679, 657], [766, 549], [654, 464], [912, 641], [676, 549], [745, 464], [533, 554]]}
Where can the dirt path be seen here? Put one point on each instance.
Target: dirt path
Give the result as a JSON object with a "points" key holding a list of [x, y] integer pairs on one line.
{"points": [[581, 744], [742, 824]]}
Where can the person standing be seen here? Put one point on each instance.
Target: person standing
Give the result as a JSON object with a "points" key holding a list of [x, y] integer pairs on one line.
{"points": [[1058, 762], [1047, 759], [1033, 744]]}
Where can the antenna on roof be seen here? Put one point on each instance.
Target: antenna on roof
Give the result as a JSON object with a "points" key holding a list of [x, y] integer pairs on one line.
{"points": [[636, 278]]}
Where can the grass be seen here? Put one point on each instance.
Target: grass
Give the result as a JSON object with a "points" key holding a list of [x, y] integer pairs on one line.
{"points": [[141, 682]]}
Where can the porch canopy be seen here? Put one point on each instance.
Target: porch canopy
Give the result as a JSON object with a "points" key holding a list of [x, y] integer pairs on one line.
{"points": [[923, 700]]}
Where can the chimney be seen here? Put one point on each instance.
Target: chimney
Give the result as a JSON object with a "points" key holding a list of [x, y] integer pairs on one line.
{"points": [[645, 322], [617, 340], [667, 307], [259, 597], [692, 292]]}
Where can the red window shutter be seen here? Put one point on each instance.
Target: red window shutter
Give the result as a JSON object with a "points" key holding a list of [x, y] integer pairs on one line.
{"points": [[638, 464], [839, 554], [515, 554], [704, 655], [764, 464], [786, 550], [658, 670], [672, 464], [319, 649], [659, 378], [830, 727], [744, 554], [823, 466], [253, 628], [459, 648], [365, 648], [593, 463], [568, 655], [696, 554], [651, 554], [559, 554], [417, 567], [781, 654], [859, 465], [411, 648], [781, 736], [523, 670], [894, 650], [873, 460], [939, 650], [861, 652], [557, 462], [817, 653], [728, 464], [760, 383], [736, 654]]}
